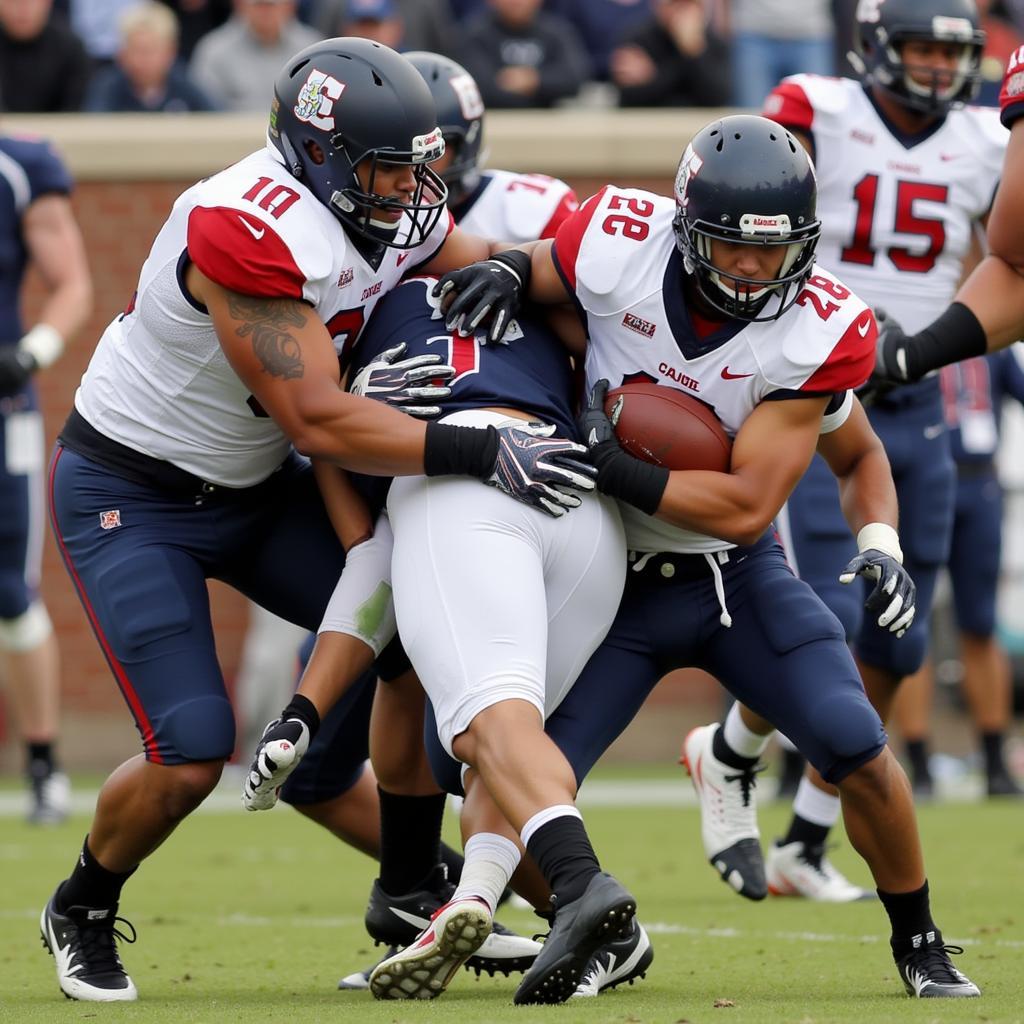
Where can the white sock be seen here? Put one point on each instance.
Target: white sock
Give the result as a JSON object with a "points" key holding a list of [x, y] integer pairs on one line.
{"points": [[740, 739], [814, 806], [546, 815], [490, 861]]}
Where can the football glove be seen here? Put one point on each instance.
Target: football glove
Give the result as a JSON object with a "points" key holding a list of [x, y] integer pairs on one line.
{"points": [[540, 470], [278, 753], [492, 289], [894, 595], [16, 369], [413, 385], [890, 361], [619, 474]]}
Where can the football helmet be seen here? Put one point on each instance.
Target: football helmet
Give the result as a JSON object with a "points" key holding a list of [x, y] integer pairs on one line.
{"points": [[460, 113], [884, 25], [746, 179], [346, 104]]}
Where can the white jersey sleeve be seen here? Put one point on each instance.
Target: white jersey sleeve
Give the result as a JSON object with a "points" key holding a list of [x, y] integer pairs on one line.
{"points": [[518, 207]]}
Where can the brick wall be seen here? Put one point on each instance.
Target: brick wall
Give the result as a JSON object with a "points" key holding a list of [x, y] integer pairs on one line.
{"points": [[119, 221]]}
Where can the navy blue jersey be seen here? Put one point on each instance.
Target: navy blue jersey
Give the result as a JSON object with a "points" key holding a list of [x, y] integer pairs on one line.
{"points": [[29, 168], [973, 393], [532, 373]]}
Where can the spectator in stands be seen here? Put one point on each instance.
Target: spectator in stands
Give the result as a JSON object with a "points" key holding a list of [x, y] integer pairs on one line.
{"points": [[775, 38], [96, 23], [673, 60], [378, 20], [523, 57], [236, 64], [147, 77], [426, 24], [602, 24], [195, 19], [43, 66]]}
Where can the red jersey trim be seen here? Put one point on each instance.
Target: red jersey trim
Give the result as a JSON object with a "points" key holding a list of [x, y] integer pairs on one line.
{"points": [[567, 206], [850, 363], [788, 105], [569, 238], [242, 253]]}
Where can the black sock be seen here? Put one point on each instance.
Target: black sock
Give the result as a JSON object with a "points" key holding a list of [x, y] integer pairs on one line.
{"points": [[911, 918], [803, 831], [917, 752], [304, 710], [90, 884], [410, 839], [453, 862], [562, 850], [40, 760], [992, 748], [726, 754]]}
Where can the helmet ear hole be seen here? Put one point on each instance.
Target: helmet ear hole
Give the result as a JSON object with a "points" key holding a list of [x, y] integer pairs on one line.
{"points": [[314, 152]]}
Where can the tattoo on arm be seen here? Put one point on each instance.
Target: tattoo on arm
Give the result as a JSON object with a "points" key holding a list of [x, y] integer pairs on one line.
{"points": [[268, 322]]}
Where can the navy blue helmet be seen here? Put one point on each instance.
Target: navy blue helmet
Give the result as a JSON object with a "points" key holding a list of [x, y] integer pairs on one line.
{"points": [[349, 103], [746, 179], [884, 25], [460, 113]]}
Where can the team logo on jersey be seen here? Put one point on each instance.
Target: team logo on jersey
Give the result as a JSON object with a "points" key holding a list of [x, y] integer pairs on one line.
{"points": [[638, 324], [860, 136], [346, 277], [317, 98], [110, 520]]}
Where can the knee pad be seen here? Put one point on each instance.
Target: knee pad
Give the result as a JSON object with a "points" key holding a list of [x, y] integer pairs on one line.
{"points": [[202, 729], [902, 657], [27, 631], [849, 731]]}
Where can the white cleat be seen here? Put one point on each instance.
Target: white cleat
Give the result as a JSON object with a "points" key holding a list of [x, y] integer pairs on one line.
{"points": [[728, 814], [278, 754], [422, 971], [49, 799], [797, 869]]}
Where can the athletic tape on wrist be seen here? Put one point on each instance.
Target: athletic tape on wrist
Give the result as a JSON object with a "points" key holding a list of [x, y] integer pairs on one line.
{"points": [[881, 537], [44, 344]]}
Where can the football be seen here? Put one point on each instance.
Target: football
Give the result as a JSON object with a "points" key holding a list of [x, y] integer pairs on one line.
{"points": [[669, 428]]}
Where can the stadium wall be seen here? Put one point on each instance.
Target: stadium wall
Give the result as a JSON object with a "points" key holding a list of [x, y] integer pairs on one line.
{"points": [[129, 169]]}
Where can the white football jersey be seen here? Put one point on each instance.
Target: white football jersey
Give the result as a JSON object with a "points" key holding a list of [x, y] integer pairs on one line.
{"points": [[159, 381], [897, 214], [513, 207], [618, 255]]}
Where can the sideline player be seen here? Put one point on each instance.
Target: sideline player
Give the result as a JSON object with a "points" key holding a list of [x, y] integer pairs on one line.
{"points": [[37, 228], [718, 293], [177, 464], [901, 194]]}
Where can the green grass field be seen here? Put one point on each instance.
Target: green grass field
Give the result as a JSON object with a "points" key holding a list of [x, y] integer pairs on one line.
{"points": [[255, 917]]}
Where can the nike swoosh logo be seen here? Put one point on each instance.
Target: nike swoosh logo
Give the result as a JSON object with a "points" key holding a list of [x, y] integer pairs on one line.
{"points": [[257, 234], [402, 257], [946, 157], [863, 328], [934, 431], [726, 375], [419, 923]]}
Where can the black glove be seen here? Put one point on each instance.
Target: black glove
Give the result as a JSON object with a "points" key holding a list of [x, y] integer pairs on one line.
{"points": [[408, 384], [894, 595], [619, 474], [536, 468], [16, 369], [890, 361], [493, 288]]}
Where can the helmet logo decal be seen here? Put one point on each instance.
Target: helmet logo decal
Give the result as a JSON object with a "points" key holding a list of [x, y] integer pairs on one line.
{"points": [[759, 224], [867, 10], [316, 100], [689, 167], [468, 94]]}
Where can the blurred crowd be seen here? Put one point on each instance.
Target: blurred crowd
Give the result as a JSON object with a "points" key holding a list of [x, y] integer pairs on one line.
{"points": [[196, 55]]}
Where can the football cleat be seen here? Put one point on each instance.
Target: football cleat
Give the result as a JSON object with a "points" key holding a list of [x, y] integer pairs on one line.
{"points": [[81, 943], [603, 914], [928, 973], [1002, 783], [49, 797], [423, 969], [728, 814], [278, 753], [622, 960], [798, 869], [398, 921]]}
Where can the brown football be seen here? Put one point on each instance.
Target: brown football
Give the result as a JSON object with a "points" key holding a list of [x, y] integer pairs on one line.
{"points": [[670, 428]]}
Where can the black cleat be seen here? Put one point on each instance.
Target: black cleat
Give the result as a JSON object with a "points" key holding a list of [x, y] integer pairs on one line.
{"points": [[1002, 783], [604, 913], [928, 973], [623, 960], [81, 943], [398, 920]]}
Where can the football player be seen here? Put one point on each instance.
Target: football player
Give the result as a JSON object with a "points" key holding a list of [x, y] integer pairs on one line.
{"points": [[37, 228], [906, 174], [177, 462], [717, 292]]}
